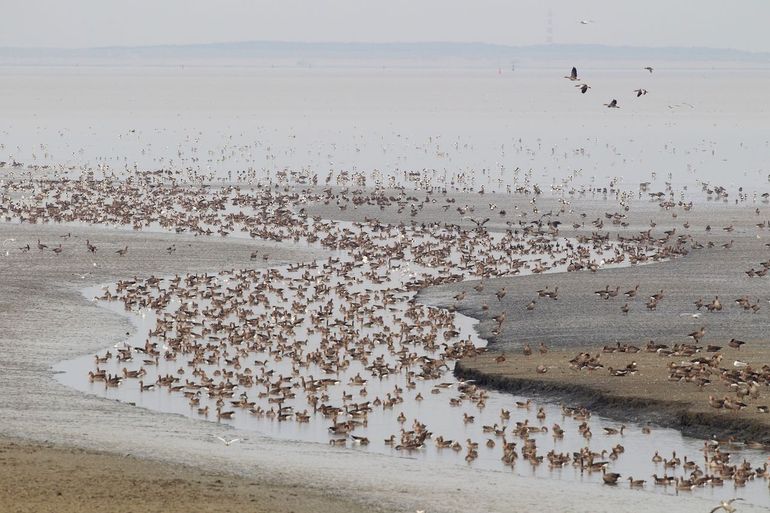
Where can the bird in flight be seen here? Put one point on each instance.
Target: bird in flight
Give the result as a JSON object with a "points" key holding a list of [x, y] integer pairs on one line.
{"points": [[727, 505], [586, 22], [478, 222], [612, 105], [583, 87], [648, 68], [228, 443], [573, 74], [640, 92]]}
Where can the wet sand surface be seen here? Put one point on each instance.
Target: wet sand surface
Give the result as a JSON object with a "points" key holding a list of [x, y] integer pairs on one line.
{"points": [[45, 478]]}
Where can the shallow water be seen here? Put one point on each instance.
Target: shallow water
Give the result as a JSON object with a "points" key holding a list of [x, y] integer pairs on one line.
{"points": [[435, 410], [461, 129]]}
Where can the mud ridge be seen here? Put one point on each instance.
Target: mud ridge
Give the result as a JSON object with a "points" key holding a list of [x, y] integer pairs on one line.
{"points": [[669, 414]]}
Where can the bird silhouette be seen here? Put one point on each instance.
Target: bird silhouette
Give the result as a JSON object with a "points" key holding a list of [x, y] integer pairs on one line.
{"points": [[583, 87]]}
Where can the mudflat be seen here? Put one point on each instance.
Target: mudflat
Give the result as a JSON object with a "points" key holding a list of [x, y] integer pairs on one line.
{"points": [[44, 478], [647, 395]]}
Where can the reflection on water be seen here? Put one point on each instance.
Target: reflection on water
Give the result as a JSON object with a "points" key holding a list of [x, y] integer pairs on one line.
{"points": [[291, 352]]}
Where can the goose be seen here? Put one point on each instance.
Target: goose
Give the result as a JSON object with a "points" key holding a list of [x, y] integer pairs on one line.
{"points": [[632, 293], [613, 104], [224, 414], [610, 478], [573, 75], [697, 335]]}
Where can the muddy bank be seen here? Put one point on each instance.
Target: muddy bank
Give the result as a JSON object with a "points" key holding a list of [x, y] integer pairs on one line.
{"points": [[646, 399]]}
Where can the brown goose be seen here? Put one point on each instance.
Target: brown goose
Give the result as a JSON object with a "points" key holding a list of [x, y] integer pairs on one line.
{"points": [[697, 335]]}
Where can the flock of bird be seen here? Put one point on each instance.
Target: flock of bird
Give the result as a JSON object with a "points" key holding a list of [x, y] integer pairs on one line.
{"points": [[341, 340], [613, 104]]}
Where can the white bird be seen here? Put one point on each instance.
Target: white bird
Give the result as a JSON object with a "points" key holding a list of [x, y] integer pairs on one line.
{"points": [[693, 315], [227, 442], [727, 505], [738, 363], [586, 22]]}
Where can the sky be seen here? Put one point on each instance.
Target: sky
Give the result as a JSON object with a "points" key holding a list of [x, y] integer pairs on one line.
{"points": [[736, 24]]}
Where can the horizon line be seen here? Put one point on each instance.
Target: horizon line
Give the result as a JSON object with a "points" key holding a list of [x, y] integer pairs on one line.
{"points": [[383, 43]]}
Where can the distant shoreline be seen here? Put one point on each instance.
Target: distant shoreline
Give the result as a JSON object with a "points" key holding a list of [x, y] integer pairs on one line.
{"points": [[630, 66], [418, 55]]}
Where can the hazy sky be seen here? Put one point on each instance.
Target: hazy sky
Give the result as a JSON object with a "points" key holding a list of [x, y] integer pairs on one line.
{"points": [[740, 24]]}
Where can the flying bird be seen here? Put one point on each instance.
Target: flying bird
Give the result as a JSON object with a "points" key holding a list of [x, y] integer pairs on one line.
{"points": [[640, 92], [727, 505], [583, 87], [479, 223], [612, 105], [648, 68], [573, 74], [586, 22], [228, 443]]}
